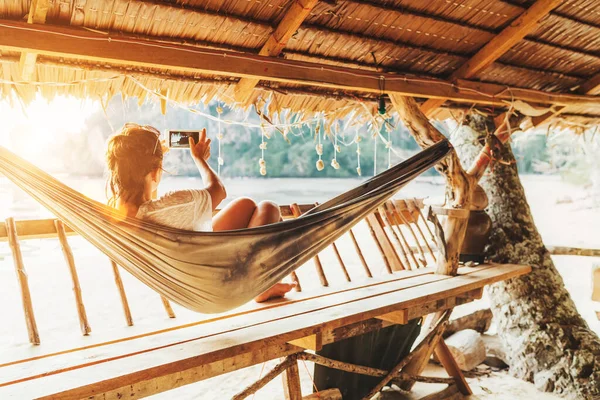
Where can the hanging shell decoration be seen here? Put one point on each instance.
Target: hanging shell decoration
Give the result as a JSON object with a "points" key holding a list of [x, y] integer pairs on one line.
{"points": [[263, 146], [320, 165], [263, 166], [319, 149], [358, 171], [335, 164]]}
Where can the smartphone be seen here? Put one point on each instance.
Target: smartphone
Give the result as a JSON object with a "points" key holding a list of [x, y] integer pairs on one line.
{"points": [[181, 139]]}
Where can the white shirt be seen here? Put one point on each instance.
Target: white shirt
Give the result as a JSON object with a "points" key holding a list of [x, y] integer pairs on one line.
{"points": [[190, 210]]}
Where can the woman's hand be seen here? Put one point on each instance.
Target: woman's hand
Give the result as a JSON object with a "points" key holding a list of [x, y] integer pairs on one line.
{"points": [[200, 151]]}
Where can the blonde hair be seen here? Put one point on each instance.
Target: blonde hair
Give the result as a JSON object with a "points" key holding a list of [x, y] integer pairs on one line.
{"points": [[131, 154]]}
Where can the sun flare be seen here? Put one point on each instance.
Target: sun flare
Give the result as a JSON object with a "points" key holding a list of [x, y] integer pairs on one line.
{"points": [[31, 129]]}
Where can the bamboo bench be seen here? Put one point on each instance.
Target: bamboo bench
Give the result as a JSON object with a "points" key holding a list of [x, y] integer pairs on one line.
{"points": [[151, 362]]}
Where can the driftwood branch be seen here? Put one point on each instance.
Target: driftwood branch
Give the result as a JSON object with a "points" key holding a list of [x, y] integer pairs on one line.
{"points": [[573, 251], [479, 321], [278, 369]]}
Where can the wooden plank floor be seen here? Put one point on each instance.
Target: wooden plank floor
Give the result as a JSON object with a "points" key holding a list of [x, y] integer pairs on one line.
{"points": [[197, 351]]}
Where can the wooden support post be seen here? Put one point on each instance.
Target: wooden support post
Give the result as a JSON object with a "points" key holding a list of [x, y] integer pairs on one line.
{"points": [[317, 261], [279, 368], [13, 242], [122, 295], [70, 260], [447, 360], [37, 15], [427, 344], [431, 330], [291, 382], [167, 306]]}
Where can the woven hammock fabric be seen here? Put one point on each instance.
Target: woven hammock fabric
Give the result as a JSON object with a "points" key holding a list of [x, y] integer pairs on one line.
{"points": [[212, 272]]}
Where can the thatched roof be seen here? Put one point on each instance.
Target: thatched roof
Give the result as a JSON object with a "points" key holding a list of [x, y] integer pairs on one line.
{"points": [[409, 38]]}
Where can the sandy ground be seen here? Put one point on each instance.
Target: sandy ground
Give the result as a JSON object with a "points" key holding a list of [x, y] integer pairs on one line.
{"points": [[561, 224]]}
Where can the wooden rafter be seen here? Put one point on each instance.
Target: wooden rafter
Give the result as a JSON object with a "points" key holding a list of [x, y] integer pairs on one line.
{"points": [[590, 87], [291, 21], [499, 45], [79, 44], [37, 15]]}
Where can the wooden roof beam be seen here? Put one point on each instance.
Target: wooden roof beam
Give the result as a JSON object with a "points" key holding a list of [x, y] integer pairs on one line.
{"points": [[99, 48], [499, 45], [37, 15], [590, 87], [289, 24]]}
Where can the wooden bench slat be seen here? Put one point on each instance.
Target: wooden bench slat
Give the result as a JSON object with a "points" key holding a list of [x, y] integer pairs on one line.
{"points": [[169, 362], [8, 357], [213, 326]]}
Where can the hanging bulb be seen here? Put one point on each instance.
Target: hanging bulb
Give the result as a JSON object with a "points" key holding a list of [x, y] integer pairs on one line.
{"points": [[381, 105], [320, 165]]}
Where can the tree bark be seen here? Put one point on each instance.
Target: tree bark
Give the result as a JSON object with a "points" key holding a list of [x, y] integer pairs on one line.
{"points": [[546, 339]]}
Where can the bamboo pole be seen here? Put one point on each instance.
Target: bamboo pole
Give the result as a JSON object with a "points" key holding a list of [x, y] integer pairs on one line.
{"points": [[385, 216], [122, 295], [70, 260], [425, 222], [317, 261], [256, 386], [360, 254], [13, 242], [432, 337], [380, 245], [167, 306], [408, 202], [342, 265], [412, 232], [392, 212]]}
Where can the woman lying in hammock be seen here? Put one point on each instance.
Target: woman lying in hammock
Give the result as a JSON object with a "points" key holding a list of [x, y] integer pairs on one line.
{"points": [[134, 158]]}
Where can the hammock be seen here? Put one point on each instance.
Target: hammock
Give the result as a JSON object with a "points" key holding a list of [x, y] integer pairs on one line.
{"points": [[212, 272]]}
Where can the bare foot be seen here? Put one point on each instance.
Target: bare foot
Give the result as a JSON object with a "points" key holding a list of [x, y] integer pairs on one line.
{"points": [[275, 291]]}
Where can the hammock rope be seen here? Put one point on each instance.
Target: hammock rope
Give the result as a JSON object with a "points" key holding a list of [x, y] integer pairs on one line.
{"points": [[213, 272]]}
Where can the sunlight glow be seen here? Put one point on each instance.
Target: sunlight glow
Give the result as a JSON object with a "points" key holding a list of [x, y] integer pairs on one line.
{"points": [[30, 130]]}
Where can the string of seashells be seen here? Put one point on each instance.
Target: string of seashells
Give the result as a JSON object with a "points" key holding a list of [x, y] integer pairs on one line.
{"points": [[319, 148], [263, 146], [220, 161], [336, 148]]}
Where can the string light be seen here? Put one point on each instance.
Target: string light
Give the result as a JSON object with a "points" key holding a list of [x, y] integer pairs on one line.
{"points": [[219, 138]]}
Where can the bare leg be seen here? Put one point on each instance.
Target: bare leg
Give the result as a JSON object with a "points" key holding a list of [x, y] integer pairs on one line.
{"points": [[245, 213]]}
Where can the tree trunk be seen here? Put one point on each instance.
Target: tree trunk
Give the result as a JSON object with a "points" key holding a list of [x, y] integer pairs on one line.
{"points": [[546, 339]]}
